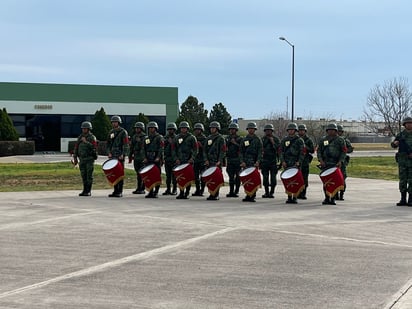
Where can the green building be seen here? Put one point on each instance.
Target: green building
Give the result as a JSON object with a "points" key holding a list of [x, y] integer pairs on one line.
{"points": [[51, 114]]}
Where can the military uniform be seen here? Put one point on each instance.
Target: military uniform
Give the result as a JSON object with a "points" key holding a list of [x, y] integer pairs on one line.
{"points": [[251, 153], [137, 154], [85, 151], [153, 146], [118, 148], [185, 152], [169, 160], [349, 149], [403, 142], [292, 152], [331, 152], [270, 159], [233, 142], [214, 151], [309, 150], [199, 163]]}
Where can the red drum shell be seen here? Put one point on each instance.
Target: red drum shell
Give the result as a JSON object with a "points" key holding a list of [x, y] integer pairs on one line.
{"points": [[150, 175], [292, 179], [213, 178], [251, 181], [113, 170], [333, 181], [184, 174]]}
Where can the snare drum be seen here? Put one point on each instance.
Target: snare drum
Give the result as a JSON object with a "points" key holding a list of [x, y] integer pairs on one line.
{"points": [[213, 178], [184, 174], [251, 181], [293, 182], [150, 175], [114, 171], [333, 180]]}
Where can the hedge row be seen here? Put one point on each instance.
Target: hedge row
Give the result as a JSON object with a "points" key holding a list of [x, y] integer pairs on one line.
{"points": [[14, 148]]}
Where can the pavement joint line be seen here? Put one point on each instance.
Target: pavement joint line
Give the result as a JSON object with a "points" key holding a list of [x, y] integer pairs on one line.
{"points": [[22, 224], [344, 238], [396, 298], [115, 263]]}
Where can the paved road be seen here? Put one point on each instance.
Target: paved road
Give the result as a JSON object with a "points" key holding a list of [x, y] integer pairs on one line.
{"points": [[58, 250]]}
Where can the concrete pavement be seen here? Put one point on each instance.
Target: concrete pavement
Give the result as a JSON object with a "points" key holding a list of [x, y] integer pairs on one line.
{"points": [[58, 250]]}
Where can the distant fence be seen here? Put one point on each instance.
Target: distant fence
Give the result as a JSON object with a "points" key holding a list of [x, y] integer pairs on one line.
{"points": [[371, 139]]}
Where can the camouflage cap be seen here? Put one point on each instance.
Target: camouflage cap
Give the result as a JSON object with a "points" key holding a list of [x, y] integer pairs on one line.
{"points": [[234, 125], [86, 125], [406, 120], [140, 125], [268, 127], [292, 126], [251, 125], [332, 126], [199, 126], [302, 127], [153, 124]]}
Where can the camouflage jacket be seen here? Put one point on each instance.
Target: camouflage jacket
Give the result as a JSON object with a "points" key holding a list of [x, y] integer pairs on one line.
{"points": [[332, 150], [201, 140], [405, 146], [118, 142], [215, 149], [185, 148], [309, 149], [86, 150], [153, 146], [292, 150], [271, 149], [233, 143], [137, 150], [169, 146], [251, 150]]}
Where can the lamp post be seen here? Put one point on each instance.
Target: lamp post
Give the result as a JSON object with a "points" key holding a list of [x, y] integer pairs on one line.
{"points": [[293, 75]]}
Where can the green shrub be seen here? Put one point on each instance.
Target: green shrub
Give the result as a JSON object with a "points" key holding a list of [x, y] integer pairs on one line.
{"points": [[14, 148]]}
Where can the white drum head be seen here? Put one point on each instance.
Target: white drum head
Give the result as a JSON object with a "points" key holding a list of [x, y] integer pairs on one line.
{"points": [[180, 167], [109, 164], [209, 171], [289, 173], [328, 171], [146, 168], [247, 171]]}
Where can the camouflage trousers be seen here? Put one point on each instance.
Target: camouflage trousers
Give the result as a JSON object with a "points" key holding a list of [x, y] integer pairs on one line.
{"points": [[86, 171], [269, 172], [405, 176]]}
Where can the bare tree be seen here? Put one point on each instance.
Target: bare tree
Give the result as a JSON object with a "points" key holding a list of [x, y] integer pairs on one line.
{"points": [[280, 122], [389, 103]]}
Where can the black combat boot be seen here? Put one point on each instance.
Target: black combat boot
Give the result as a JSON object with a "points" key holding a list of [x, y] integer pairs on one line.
{"points": [[291, 200], [402, 202], [167, 192], [302, 195], [410, 200], [266, 195], [247, 199], [186, 195], [84, 191], [231, 190], [341, 195], [272, 192], [88, 190], [181, 195], [197, 191], [174, 190]]}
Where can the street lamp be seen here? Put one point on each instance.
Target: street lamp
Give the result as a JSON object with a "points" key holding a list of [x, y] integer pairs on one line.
{"points": [[293, 74]]}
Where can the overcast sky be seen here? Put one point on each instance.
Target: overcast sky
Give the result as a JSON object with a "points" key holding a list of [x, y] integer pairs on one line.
{"points": [[216, 50]]}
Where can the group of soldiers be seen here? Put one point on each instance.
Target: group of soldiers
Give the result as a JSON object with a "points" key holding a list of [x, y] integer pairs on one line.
{"points": [[178, 146]]}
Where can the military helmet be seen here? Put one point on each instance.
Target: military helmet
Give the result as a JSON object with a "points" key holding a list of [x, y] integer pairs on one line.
{"points": [[199, 126], [340, 127], [153, 124], [234, 125], [215, 124], [139, 124], [268, 127], [116, 118], [332, 126], [171, 125], [302, 127], [86, 125], [251, 125], [407, 120], [292, 126], [184, 124]]}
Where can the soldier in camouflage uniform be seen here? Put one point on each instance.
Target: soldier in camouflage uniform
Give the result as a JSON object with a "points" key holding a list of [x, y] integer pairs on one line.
{"points": [[292, 153], [153, 147], [199, 164], [185, 152], [251, 153], [309, 151], [117, 148], [233, 142], [270, 158], [214, 151], [331, 152], [349, 149], [169, 141], [85, 150], [403, 141], [137, 154]]}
